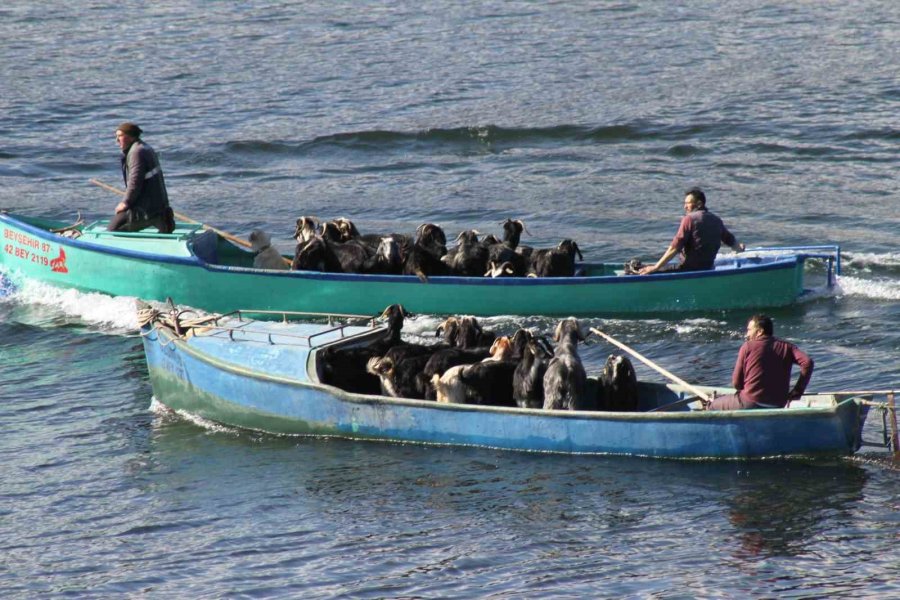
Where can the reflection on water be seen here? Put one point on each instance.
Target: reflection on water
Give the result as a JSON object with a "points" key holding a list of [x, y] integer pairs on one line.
{"points": [[782, 507]]}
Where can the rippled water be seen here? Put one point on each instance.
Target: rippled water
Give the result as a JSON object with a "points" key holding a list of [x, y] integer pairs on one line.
{"points": [[587, 120]]}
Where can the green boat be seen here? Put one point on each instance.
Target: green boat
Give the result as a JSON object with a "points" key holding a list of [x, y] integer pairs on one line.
{"points": [[202, 268]]}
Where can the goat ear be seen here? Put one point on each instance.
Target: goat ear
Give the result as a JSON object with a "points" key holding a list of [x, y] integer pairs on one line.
{"points": [[578, 250]]}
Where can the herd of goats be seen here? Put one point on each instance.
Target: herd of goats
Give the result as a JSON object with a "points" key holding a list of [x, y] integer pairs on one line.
{"points": [[474, 366], [337, 247]]}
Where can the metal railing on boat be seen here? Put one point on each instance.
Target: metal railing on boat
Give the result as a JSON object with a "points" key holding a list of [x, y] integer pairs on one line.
{"points": [[173, 319]]}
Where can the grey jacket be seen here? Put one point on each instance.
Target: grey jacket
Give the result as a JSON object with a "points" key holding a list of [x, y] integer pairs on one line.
{"points": [[145, 188]]}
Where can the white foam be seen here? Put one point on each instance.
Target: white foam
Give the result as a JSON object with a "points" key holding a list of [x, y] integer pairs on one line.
{"points": [[164, 412], [865, 260], [698, 325], [879, 289], [107, 313]]}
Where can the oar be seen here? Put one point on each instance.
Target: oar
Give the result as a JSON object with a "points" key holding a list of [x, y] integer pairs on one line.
{"points": [[703, 395], [182, 217]]}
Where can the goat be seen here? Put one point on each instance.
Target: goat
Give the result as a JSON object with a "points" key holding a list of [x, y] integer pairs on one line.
{"points": [[398, 378], [472, 335], [618, 385], [565, 380], [555, 262], [424, 256], [506, 250], [502, 270], [528, 378], [448, 330], [512, 232], [266, 257], [386, 260], [314, 255], [348, 232], [485, 382], [468, 258], [306, 229], [325, 252], [346, 368], [442, 361]]}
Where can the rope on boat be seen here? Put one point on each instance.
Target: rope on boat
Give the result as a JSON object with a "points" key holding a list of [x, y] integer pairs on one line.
{"points": [[173, 319], [73, 230], [888, 410]]}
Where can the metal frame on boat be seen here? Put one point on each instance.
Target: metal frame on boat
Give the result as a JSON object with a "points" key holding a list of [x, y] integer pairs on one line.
{"points": [[198, 267], [263, 375]]}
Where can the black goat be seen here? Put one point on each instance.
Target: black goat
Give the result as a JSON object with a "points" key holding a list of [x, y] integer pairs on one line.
{"points": [[618, 389], [555, 262], [528, 378], [448, 330], [485, 382], [443, 360], [469, 258], [506, 250], [424, 256], [472, 335], [565, 380], [322, 254], [398, 378], [305, 229], [346, 367], [314, 255], [506, 269], [386, 260]]}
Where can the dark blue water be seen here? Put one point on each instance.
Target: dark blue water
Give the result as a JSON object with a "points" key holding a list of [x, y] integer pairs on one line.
{"points": [[586, 120]]}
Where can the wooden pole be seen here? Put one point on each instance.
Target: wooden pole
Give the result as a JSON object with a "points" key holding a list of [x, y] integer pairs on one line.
{"points": [[892, 408], [187, 219], [703, 395], [182, 217]]}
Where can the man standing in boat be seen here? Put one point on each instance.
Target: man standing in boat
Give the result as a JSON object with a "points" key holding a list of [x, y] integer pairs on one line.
{"points": [[762, 373], [699, 237], [146, 202]]}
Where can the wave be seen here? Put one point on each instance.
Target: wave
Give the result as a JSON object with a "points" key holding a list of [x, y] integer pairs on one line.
{"points": [[872, 262], [112, 315], [489, 137], [878, 289], [165, 415]]}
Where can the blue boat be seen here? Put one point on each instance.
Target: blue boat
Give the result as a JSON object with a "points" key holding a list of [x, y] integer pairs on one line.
{"points": [[263, 375]]}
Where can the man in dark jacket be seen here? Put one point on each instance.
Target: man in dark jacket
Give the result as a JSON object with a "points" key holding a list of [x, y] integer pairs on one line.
{"points": [[762, 373], [146, 202], [699, 237]]}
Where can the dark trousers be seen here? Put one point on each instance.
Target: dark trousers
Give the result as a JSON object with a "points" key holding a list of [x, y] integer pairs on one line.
{"points": [[131, 220]]}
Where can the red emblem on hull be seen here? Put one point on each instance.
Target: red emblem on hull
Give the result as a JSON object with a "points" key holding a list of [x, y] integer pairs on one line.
{"points": [[58, 264]]}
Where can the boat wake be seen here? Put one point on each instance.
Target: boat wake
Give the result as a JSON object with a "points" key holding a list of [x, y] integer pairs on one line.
{"points": [[873, 263], [166, 415], [877, 289], [113, 315]]}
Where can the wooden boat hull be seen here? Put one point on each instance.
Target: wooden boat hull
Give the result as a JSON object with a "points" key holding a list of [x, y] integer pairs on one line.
{"points": [[268, 383], [200, 269]]}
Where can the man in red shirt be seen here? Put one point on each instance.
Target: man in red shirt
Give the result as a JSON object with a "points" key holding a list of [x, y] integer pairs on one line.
{"points": [[762, 373], [699, 237]]}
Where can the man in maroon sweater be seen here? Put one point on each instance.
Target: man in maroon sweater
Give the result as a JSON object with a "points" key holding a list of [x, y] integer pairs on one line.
{"points": [[762, 373]]}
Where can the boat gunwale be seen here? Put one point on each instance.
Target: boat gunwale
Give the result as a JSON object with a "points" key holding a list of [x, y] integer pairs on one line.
{"points": [[343, 395]]}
